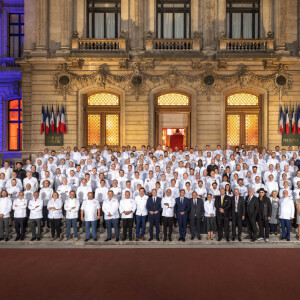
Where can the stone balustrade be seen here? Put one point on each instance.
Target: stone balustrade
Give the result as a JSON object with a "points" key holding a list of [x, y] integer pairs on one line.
{"points": [[8, 62], [98, 45], [172, 44], [246, 45]]}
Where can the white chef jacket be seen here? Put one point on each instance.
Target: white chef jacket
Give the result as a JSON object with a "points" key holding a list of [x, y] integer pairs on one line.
{"points": [[286, 208], [55, 214], [28, 195], [82, 193], [140, 203], [101, 193], [33, 182], [5, 207], [46, 194], [13, 191], [90, 208], [7, 172], [168, 211], [19, 183], [19, 206], [71, 213], [64, 191], [209, 208], [36, 212], [112, 207], [127, 205]]}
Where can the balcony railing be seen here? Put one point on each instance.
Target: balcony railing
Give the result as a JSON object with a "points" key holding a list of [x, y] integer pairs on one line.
{"points": [[172, 45], [243, 45], [8, 62], [98, 45]]}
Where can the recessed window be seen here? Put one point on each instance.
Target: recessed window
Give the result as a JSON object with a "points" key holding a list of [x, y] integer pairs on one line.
{"points": [[16, 35], [15, 125], [103, 18], [173, 19]]}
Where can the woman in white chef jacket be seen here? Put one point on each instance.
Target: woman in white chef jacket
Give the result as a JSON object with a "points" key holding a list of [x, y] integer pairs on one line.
{"points": [[210, 216], [54, 207]]}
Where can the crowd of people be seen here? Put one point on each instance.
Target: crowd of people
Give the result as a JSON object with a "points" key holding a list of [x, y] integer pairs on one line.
{"points": [[203, 191]]}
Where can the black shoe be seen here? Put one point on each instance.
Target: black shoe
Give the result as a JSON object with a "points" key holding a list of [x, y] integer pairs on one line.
{"points": [[199, 237], [33, 239], [233, 239], [158, 239], [288, 239], [1, 239], [107, 240], [239, 239], [253, 240], [192, 237], [151, 239], [22, 239], [179, 239], [7, 239], [16, 239], [183, 239], [227, 239], [123, 239], [165, 239], [219, 239], [117, 239], [282, 238], [95, 240], [248, 237], [86, 240], [170, 240], [38, 239], [130, 239]]}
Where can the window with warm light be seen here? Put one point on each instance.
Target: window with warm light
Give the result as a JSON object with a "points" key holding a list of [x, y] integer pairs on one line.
{"points": [[15, 125]]}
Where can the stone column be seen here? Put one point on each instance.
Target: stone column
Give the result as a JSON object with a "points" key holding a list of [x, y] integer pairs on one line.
{"points": [[42, 25], [67, 25], [221, 8], [280, 17], [136, 25], [208, 26], [266, 18], [195, 17]]}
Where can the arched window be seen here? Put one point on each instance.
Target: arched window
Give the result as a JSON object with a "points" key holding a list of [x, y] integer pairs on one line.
{"points": [[103, 119], [15, 125]]}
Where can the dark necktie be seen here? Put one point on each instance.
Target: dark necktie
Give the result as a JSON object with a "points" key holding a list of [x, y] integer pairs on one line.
{"points": [[181, 200], [154, 201]]}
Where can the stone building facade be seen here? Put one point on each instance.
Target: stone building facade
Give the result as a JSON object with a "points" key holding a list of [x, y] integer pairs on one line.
{"points": [[127, 71]]}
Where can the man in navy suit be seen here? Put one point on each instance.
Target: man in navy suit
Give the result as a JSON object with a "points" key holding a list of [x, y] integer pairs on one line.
{"points": [[182, 208], [154, 209]]}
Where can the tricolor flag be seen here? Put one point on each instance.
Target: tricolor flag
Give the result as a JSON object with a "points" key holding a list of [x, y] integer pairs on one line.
{"points": [[287, 121], [52, 121], [63, 127], [298, 119], [58, 121], [293, 122], [43, 117], [281, 129], [47, 122]]}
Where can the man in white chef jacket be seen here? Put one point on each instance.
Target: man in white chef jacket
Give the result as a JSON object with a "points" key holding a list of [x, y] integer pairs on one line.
{"points": [[32, 180], [110, 209], [5, 209], [19, 207], [71, 207], [168, 204], [90, 213], [46, 194], [286, 214], [141, 214], [127, 208], [36, 215]]}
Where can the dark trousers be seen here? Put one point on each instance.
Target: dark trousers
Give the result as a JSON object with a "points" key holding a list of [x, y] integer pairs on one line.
{"points": [[167, 222], [273, 228], [79, 216], [45, 216], [154, 220], [19, 225], [4, 226], [223, 225], [33, 224], [264, 229], [251, 226], [285, 228], [55, 226], [236, 221], [182, 221], [195, 224], [127, 225]]}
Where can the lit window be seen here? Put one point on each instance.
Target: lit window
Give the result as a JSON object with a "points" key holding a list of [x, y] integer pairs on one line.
{"points": [[173, 99], [16, 35], [15, 125]]}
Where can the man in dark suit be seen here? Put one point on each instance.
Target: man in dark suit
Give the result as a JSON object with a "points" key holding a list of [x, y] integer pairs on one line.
{"points": [[182, 208], [196, 214], [154, 209], [223, 205], [252, 207], [237, 213]]}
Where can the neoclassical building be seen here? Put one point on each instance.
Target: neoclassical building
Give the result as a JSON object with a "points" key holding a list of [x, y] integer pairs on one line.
{"points": [[136, 71]]}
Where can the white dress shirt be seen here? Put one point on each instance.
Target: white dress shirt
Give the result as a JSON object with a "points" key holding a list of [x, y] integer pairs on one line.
{"points": [[111, 206], [90, 208], [5, 207], [57, 213], [36, 212], [141, 202], [286, 208], [168, 211], [71, 207], [127, 205], [19, 207], [209, 208]]}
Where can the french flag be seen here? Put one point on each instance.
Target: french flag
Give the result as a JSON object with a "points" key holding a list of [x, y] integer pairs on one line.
{"points": [[63, 126], [287, 122], [298, 118], [47, 122], [293, 122], [43, 120], [52, 121], [281, 129], [58, 121]]}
